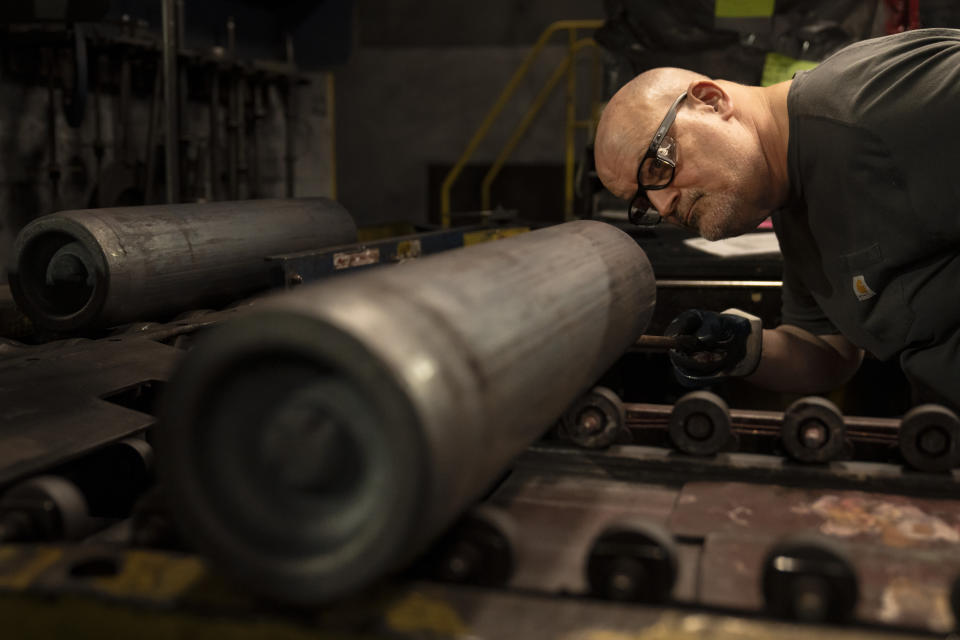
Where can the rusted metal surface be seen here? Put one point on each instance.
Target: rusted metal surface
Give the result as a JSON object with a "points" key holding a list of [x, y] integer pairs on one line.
{"points": [[893, 520], [904, 550], [658, 464]]}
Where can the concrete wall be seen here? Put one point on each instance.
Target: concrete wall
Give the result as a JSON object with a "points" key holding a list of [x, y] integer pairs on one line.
{"points": [[419, 83]]}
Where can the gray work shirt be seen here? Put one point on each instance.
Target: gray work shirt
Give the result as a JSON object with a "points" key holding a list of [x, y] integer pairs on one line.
{"points": [[871, 238]]}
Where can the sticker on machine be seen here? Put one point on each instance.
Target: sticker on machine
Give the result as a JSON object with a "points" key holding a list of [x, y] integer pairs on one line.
{"points": [[351, 259], [861, 289]]}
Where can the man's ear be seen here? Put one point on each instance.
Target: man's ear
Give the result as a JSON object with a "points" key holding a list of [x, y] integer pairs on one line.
{"points": [[711, 94]]}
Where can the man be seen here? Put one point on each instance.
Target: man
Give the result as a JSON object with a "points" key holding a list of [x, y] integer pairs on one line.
{"points": [[858, 162]]}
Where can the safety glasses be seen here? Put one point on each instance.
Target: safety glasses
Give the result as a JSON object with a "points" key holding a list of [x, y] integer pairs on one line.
{"points": [[656, 169]]}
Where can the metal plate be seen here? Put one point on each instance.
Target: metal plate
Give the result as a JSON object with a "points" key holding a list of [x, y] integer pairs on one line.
{"points": [[898, 587], [558, 518], [655, 464], [770, 510], [51, 398]]}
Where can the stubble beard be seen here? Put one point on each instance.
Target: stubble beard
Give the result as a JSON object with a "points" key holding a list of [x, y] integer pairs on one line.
{"points": [[737, 209], [715, 222], [725, 218]]}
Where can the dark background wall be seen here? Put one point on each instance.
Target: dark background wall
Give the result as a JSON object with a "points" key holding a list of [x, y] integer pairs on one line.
{"points": [[34, 60], [413, 80], [419, 82]]}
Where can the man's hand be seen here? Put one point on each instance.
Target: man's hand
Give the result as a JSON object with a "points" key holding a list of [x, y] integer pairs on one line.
{"points": [[717, 345]]}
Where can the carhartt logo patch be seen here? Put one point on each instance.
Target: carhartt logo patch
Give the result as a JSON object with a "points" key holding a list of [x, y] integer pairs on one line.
{"points": [[861, 289]]}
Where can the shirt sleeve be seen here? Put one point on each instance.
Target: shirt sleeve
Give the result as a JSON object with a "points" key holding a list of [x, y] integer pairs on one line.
{"points": [[800, 309]]}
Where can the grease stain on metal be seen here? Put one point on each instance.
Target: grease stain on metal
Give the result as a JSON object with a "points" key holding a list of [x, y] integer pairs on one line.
{"points": [[898, 525], [739, 515], [906, 598]]}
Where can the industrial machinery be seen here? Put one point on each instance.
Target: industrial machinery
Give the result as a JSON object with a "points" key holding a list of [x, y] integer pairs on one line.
{"points": [[446, 447], [321, 440], [102, 267]]}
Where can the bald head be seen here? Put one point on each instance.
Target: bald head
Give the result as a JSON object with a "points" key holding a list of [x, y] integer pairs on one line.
{"points": [[728, 142], [631, 118]]}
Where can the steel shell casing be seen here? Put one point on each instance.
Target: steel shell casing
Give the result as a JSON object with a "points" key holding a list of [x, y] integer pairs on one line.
{"points": [[321, 440], [93, 268]]}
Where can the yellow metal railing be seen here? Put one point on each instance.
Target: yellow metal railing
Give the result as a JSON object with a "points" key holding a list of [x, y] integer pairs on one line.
{"points": [[570, 130], [565, 67]]}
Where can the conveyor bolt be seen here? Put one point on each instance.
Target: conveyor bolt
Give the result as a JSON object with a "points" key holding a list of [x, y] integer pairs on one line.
{"points": [[699, 426], [813, 434]]}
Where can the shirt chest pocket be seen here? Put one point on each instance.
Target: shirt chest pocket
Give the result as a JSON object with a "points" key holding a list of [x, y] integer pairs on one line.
{"points": [[875, 303]]}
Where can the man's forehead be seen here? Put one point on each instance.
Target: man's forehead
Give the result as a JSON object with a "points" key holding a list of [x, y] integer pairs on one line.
{"points": [[620, 165]]}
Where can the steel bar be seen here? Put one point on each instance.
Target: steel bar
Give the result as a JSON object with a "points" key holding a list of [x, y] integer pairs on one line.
{"points": [[757, 422], [664, 343], [102, 267], [323, 438], [724, 284]]}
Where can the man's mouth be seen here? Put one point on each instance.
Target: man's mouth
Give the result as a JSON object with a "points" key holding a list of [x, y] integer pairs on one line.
{"points": [[688, 220]]}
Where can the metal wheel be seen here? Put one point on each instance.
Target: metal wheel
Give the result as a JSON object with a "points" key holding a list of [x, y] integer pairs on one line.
{"points": [[700, 423], [595, 420], [807, 578], [633, 561], [478, 549], [930, 438], [813, 430]]}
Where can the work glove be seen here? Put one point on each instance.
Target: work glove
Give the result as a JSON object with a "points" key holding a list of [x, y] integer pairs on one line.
{"points": [[714, 345]]}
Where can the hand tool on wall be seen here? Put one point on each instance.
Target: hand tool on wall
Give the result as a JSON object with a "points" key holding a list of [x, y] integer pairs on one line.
{"points": [[53, 166], [149, 179], [171, 100], [187, 167], [118, 184], [290, 112], [213, 143], [257, 113], [233, 110], [76, 83], [98, 144]]}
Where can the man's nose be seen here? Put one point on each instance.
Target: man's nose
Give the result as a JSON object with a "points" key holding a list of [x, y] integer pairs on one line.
{"points": [[664, 200]]}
